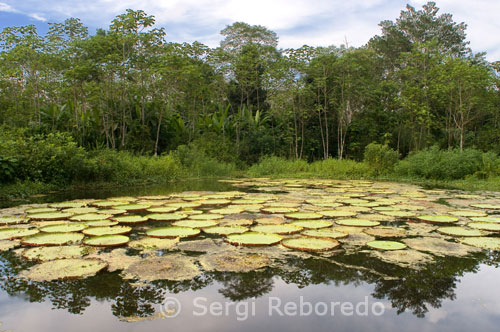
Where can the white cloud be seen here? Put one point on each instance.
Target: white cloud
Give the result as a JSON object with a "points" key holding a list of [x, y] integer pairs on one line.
{"points": [[6, 8], [297, 22]]}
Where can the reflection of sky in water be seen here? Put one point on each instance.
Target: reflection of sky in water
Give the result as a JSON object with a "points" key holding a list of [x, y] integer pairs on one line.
{"points": [[476, 308]]}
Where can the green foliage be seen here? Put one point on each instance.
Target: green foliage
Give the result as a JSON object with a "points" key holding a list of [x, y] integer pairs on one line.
{"points": [[272, 165], [380, 158], [452, 164]]}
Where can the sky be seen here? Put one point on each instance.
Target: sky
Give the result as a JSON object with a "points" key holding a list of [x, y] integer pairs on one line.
{"points": [[297, 22]]}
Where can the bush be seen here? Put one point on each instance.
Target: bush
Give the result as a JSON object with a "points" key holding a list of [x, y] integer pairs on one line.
{"points": [[453, 164], [380, 158], [272, 165], [198, 164], [340, 169]]}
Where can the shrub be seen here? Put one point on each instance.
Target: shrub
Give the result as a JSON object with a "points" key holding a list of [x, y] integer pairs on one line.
{"points": [[380, 158], [272, 165]]}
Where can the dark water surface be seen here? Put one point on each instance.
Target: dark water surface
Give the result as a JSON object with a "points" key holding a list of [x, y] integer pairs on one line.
{"points": [[449, 294]]}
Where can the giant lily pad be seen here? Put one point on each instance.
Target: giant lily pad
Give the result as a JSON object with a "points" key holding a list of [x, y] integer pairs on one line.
{"points": [[51, 216], [326, 233], [81, 210], [253, 239], [206, 216], [40, 210], [13, 233], [234, 262], [279, 210], [357, 222], [487, 219], [133, 207], [311, 243], [64, 228], [489, 243], [132, 220], [8, 220], [99, 223], [385, 232], [67, 205], [107, 240], [195, 223], [486, 206], [225, 230], [278, 229], [151, 243], [468, 213], [57, 252], [52, 239], [107, 230], [166, 216], [485, 226], [437, 219], [170, 267], [312, 224], [172, 232], [337, 213], [90, 217], [386, 245], [303, 215], [65, 269], [163, 209]]}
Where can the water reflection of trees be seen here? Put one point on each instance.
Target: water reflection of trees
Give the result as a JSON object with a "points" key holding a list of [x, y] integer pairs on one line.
{"points": [[407, 289]]}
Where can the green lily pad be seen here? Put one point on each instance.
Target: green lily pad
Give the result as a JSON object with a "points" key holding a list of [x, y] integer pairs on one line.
{"points": [[163, 209], [278, 229], [225, 230], [69, 268], [130, 219], [172, 232], [90, 217], [311, 243], [50, 216], [52, 239], [253, 239], [170, 267], [195, 223], [312, 224], [357, 222], [227, 210], [134, 207], [399, 214], [151, 243], [486, 206], [459, 231], [64, 228], [234, 262], [303, 215], [8, 220], [248, 201], [166, 216], [107, 240], [488, 243], [206, 216], [40, 210], [107, 204], [57, 252], [67, 205], [437, 219], [468, 213], [113, 212], [215, 202], [386, 232], [14, 233], [99, 223], [337, 213], [6, 245], [185, 205], [326, 233], [486, 219], [82, 210], [485, 226], [279, 210], [386, 245], [107, 230]]}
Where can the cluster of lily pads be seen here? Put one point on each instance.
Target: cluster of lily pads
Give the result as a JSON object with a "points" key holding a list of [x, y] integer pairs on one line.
{"points": [[243, 231]]}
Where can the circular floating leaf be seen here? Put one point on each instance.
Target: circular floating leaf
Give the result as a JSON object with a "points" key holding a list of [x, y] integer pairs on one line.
{"points": [[215, 202], [386, 245], [489, 243], [337, 213], [166, 216], [50, 216], [107, 204], [151, 243], [326, 233], [487, 219], [459, 231], [99, 223], [52, 239], [133, 207], [50, 253], [398, 214], [253, 239], [248, 201], [227, 210], [195, 223], [8, 220], [167, 267], [83, 210], [225, 230], [90, 217], [278, 210], [468, 213], [69, 268], [386, 232], [485, 226], [113, 212], [13, 233], [311, 243], [107, 230], [172, 232], [234, 262], [130, 219], [107, 241], [303, 215], [357, 222], [40, 210], [64, 228], [67, 205], [163, 209], [438, 219], [206, 216], [155, 197], [184, 205], [313, 224], [278, 229], [486, 206]]}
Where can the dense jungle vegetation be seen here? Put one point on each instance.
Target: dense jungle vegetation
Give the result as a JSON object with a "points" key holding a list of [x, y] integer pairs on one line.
{"points": [[125, 104]]}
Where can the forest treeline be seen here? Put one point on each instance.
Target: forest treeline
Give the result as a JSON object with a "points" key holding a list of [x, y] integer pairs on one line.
{"points": [[416, 85]]}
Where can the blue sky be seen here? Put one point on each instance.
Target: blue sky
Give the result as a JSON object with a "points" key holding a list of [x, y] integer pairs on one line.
{"points": [[297, 22]]}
